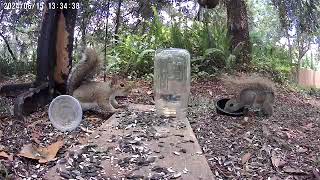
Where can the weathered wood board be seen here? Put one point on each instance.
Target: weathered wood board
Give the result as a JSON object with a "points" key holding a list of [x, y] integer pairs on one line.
{"points": [[176, 149]]}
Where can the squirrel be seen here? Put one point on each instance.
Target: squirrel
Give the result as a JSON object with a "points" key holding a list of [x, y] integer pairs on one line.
{"points": [[93, 94], [256, 94]]}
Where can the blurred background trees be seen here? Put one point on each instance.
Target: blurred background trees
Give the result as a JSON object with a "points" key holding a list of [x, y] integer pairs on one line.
{"points": [[267, 36]]}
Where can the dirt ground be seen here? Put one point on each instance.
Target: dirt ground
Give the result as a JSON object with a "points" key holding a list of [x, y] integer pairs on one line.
{"points": [[284, 146]]}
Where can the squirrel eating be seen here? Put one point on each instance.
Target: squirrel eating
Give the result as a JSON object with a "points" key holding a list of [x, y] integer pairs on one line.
{"points": [[93, 94], [255, 94]]}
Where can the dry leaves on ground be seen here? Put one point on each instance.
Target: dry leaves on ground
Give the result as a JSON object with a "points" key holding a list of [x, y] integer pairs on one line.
{"points": [[6, 155], [43, 155], [294, 171], [277, 161]]}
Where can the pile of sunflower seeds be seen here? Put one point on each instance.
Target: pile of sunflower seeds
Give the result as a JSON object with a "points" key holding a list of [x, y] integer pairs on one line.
{"points": [[84, 164], [145, 119], [137, 154]]}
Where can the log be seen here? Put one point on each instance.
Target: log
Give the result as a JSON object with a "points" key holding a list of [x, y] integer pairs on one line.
{"points": [[31, 100], [13, 90]]}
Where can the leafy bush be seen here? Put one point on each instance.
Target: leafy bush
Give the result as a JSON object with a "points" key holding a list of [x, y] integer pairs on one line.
{"points": [[10, 67], [273, 60]]}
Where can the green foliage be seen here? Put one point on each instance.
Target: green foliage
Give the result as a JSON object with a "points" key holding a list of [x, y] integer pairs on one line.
{"points": [[206, 39], [207, 42], [159, 35], [273, 60], [131, 55], [10, 67]]}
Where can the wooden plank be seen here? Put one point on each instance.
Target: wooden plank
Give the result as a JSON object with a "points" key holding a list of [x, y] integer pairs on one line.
{"points": [[192, 164]]}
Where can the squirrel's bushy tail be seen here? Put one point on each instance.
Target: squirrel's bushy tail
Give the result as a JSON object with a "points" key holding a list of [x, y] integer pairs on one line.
{"points": [[87, 68], [248, 82]]}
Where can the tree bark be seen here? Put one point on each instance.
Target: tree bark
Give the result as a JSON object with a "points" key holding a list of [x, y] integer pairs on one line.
{"points": [[83, 35], [238, 30], [116, 30]]}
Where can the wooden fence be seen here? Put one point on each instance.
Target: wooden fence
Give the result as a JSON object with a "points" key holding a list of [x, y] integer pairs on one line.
{"points": [[309, 78]]}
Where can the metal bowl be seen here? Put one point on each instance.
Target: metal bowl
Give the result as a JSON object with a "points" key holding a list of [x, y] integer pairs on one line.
{"points": [[220, 108]]}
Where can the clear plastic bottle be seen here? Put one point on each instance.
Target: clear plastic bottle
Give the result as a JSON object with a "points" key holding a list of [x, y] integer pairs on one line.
{"points": [[172, 82]]}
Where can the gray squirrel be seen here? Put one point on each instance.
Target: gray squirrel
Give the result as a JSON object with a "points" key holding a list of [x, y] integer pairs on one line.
{"points": [[92, 94], [255, 94]]}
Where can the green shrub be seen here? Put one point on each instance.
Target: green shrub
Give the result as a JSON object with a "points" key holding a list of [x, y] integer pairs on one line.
{"points": [[273, 60]]}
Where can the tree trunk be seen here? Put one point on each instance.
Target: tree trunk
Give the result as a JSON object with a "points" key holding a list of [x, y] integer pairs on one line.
{"points": [[106, 41], [8, 47], [303, 47], [83, 35], [54, 60], [83, 23], [198, 16], [116, 30], [238, 30], [289, 45], [1, 18]]}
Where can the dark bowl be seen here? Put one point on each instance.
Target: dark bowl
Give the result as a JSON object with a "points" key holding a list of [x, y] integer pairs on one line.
{"points": [[220, 109]]}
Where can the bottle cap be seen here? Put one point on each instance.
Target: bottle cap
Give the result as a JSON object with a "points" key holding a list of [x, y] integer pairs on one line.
{"points": [[65, 113]]}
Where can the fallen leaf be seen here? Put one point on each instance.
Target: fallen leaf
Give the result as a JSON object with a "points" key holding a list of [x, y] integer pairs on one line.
{"points": [[4, 154], [43, 155], [149, 92], [277, 161], [245, 158], [30, 151], [291, 170]]}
